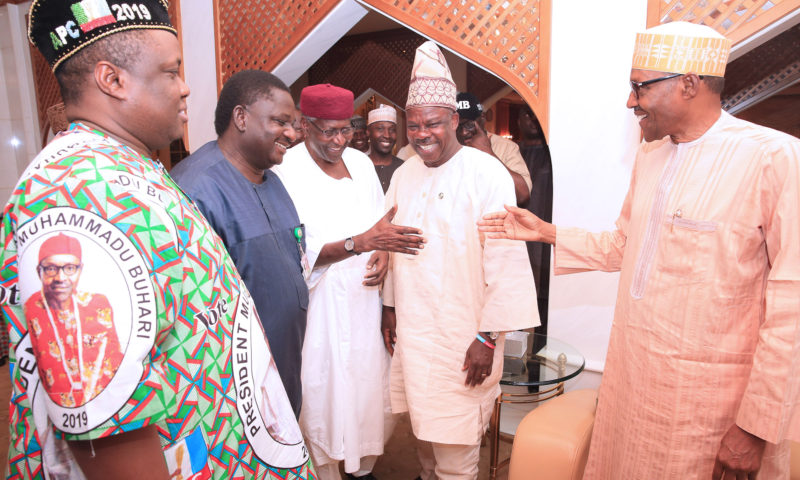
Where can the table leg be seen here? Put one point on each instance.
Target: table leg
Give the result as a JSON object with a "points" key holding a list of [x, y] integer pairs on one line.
{"points": [[494, 439]]}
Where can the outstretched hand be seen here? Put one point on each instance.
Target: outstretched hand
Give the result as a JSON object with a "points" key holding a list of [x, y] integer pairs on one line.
{"points": [[388, 237], [517, 224]]}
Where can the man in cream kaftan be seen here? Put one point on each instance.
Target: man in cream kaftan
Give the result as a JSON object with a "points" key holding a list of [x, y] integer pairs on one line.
{"points": [[709, 252], [446, 308], [701, 377], [457, 286]]}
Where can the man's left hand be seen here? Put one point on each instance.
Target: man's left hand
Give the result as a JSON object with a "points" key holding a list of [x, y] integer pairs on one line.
{"points": [[478, 363], [739, 456], [377, 266]]}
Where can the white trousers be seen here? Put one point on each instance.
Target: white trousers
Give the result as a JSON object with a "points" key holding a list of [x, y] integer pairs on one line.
{"points": [[330, 471], [445, 461]]}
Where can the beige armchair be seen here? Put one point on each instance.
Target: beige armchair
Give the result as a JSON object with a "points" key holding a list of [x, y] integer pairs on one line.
{"points": [[552, 441]]}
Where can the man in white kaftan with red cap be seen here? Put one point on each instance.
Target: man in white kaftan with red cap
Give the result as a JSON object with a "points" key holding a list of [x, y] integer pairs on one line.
{"points": [[702, 374]]}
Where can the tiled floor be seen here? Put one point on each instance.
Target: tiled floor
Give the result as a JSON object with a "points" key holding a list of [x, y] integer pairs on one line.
{"points": [[399, 462]]}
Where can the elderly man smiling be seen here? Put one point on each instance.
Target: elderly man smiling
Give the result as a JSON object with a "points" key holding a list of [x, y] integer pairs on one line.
{"points": [[346, 413], [701, 378]]}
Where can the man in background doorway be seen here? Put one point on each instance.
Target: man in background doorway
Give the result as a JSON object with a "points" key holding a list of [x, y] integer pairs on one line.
{"points": [[359, 141], [534, 150], [472, 133], [382, 132]]}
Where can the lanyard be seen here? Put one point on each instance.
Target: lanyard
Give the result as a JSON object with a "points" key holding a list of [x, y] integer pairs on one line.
{"points": [[75, 385]]}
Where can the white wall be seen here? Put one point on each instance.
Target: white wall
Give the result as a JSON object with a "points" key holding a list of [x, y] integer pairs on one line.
{"points": [[199, 70], [19, 135], [592, 140]]}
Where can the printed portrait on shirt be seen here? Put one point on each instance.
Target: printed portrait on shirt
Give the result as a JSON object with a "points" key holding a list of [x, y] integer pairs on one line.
{"points": [[72, 329], [90, 310]]}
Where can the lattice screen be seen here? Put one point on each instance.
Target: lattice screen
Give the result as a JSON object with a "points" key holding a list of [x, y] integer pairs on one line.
{"points": [[736, 19], [381, 61], [510, 39], [259, 33]]}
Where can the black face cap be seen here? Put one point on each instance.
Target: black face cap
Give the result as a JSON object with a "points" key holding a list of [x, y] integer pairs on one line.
{"points": [[59, 28], [469, 108]]}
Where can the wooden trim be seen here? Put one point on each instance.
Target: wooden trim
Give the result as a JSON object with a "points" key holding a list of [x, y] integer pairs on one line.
{"points": [[545, 25], [762, 21], [217, 47], [743, 26], [422, 19]]}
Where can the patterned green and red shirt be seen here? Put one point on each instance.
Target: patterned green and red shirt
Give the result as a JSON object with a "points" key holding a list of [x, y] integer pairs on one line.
{"points": [[194, 360]]}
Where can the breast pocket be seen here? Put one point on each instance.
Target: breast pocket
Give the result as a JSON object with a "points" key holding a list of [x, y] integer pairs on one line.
{"points": [[687, 249]]}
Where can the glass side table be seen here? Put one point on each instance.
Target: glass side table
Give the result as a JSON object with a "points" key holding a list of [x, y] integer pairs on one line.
{"points": [[543, 370]]}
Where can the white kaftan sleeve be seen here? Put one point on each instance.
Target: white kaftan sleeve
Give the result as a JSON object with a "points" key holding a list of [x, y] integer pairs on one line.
{"points": [[510, 292]]}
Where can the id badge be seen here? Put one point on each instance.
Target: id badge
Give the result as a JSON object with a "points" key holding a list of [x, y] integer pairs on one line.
{"points": [[299, 232]]}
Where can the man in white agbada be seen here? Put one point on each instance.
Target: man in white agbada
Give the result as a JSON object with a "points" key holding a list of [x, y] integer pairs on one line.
{"points": [[445, 310], [345, 413]]}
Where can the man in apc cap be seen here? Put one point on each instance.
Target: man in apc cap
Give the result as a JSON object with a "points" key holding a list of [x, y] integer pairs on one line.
{"points": [[171, 407], [446, 310], [346, 415], [702, 377]]}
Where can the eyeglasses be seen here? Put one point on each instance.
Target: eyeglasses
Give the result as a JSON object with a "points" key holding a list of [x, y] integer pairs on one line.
{"points": [[332, 132], [636, 86], [52, 270]]}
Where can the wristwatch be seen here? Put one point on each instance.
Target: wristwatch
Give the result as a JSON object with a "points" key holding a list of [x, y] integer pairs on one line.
{"points": [[492, 335], [350, 246]]}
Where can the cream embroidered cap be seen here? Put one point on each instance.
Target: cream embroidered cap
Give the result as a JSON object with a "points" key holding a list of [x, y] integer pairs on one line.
{"points": [[682, 47], [431, 82], [384, 113]]}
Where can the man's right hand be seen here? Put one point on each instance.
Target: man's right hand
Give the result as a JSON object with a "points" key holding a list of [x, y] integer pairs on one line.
{"points": [[388, 237], [517, 224], [388, 324]]}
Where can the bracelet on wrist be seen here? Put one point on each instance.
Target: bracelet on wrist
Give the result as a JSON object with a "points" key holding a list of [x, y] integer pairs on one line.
{"points": [[485, 342]]}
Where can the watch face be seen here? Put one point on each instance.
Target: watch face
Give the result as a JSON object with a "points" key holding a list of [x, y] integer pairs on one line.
{"points": [[494, 335], [349, 244]]}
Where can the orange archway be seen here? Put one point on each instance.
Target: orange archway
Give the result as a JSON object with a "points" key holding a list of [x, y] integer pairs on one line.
{"points": [[508, 39]]}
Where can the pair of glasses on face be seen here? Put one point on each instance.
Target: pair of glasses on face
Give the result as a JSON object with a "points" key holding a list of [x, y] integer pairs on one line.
{"points": [[636, 86], [332, 132], [52, 270]]}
